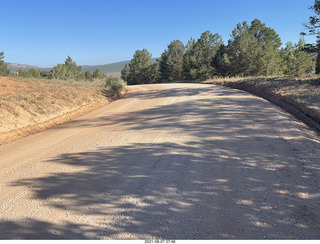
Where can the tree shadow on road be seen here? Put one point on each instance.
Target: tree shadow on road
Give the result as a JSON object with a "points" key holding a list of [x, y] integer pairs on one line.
{"points": [[233, 178]]}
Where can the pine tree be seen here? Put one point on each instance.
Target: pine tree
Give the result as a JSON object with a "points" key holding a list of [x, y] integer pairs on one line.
{"points": [[296, 61], [313, 29], [239, 50], [72, 70], [254, 50], [304, 64], [59, 72], [68, 70], [221, 62], [88, 75], [206, 48], [288, 59], [4, 71], [266, 43], [97, 74], [189, 60], [139, 67], [34, 73], [125, 72], [170, 63], [153, 73], [199, 54]]}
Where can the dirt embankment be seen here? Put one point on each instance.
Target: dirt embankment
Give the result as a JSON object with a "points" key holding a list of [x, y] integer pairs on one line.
{"points": [[27, 107], [300, 97]]}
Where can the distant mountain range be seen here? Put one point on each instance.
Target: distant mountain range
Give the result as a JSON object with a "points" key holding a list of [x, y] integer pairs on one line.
{"points": [[105, 68], [14, 67]]}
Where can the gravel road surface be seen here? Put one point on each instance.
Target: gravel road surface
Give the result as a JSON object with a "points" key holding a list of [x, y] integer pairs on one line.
{"points": [[169, 161]]}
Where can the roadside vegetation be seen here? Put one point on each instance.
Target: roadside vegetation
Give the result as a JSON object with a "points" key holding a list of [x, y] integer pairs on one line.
{"points": [[114, 87], [69, 71], [254, 59], [28, 101], [36, 100], [33, 100], [253, 50], [250, 58], [52, 92], [29, 105], [302, 94]]}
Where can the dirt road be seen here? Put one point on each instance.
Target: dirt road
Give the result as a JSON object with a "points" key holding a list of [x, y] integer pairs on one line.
{"points": [[178, 161]]}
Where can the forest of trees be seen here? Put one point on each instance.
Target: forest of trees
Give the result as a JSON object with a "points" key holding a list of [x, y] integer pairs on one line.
{"points": [[313, 29], [253, 50], [67, 71]]}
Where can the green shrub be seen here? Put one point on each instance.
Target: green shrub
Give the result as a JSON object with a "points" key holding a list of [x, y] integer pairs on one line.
{"points": [[114, 86]]}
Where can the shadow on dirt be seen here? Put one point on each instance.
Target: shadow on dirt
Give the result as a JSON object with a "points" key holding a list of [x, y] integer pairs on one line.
{"points": [[235, 178]]}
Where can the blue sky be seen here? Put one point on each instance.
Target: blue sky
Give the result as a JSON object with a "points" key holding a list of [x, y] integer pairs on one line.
{"points": [[45, 32]]}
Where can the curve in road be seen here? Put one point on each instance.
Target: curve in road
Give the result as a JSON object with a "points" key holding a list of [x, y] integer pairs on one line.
{"points": [[170, 161]]}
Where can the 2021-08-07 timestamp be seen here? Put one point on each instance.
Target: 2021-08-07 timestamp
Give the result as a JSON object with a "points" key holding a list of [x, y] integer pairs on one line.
{"points": [[159, 241]]}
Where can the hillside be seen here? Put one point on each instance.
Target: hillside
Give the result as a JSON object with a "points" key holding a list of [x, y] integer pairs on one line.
{"points": [[111, 68], [106, 68], [34, 105], [14, 67]]}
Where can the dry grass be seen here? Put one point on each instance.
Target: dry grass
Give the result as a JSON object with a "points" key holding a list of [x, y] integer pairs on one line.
{"points": [[303, 90], [25, 102], [96, 83], [303, 94]]}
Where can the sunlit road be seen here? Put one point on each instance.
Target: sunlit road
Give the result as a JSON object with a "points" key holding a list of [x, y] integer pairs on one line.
{"points": [[171, 161]]}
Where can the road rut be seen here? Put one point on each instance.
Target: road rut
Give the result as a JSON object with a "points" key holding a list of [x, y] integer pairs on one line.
{"points": [[168, 161]]}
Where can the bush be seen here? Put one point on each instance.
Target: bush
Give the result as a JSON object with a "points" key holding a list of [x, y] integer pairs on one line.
{"points": [[114, 86]]}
